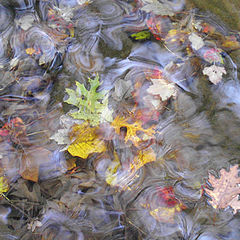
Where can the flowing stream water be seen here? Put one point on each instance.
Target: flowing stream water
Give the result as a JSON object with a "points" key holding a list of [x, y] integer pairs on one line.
{"points": [[150, 186]]}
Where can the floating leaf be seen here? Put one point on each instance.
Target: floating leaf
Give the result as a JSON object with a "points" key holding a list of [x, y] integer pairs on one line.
{"points": [[85, 141], [214, 73], [197, 42], [225, 189], [92, 105], [163, 88], [132, 129]]}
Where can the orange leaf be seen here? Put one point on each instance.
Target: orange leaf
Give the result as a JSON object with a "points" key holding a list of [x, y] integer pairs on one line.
{"points": [[144, 156], [132, 130], [30, 162]]}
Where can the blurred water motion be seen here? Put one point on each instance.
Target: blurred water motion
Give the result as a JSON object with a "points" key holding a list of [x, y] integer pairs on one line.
{"points": [[45, 47]]}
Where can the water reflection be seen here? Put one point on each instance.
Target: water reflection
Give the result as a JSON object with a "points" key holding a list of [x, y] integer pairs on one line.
{"points": [[149, 187]]}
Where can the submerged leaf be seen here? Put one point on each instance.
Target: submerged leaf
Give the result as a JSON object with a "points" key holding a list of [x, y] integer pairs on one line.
{"points": [[14, 130], [112, 171], [213, 55], [158, 8], [231, 43], [225, 189], [4, 186], [117, 176], [31, 161], [85, 141], [61, 136], [92, 105], [164, 205], [144, 156]]}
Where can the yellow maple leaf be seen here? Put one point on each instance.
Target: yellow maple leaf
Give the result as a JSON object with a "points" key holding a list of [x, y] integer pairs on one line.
{"points": [[132, 130], [30, 51], [85, 141], [4, 186], [144, 156]]}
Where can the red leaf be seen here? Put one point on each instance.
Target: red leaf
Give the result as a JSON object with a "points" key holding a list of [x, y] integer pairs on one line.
{"points": [[15, 130]]}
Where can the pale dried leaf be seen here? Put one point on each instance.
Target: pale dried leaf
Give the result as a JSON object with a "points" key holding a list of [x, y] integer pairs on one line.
{"points": [[26, 22], [197, 42], [61, 136], [33, 225], [214, 73], [225, 189], [163, 88]]}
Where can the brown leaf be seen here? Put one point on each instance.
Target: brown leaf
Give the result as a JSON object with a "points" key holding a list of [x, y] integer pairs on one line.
{"points": [[30, 162], [226, 189]]}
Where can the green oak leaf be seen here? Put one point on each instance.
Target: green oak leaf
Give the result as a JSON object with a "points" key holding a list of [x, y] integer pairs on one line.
{"points": [[92, 105]]}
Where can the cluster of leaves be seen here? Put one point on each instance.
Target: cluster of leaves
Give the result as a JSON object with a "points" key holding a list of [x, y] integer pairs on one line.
{"points": [[93, 135], [191, 33], [93, 129], [92, 106], [90, 137]]}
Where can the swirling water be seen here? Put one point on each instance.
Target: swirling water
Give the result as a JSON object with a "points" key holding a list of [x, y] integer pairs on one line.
{"points": [[197, 131]]}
